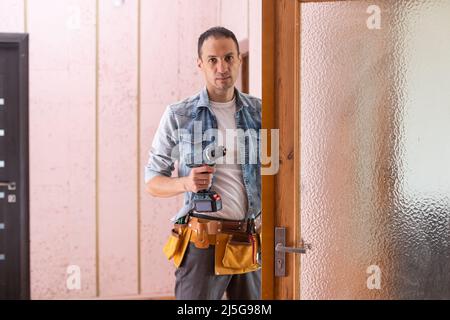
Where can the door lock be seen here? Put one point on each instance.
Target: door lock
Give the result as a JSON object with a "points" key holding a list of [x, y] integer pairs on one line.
{"points": [[281, 250], [10, 185]]}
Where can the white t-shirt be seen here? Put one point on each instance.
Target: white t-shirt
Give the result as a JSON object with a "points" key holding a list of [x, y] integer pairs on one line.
{"points": [[228, 181]]}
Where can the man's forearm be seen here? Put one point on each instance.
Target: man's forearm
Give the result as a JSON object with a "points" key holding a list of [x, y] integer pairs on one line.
{"points": [[166, 187]]}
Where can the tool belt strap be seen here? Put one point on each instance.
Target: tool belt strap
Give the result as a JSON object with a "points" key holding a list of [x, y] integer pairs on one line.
{"points": [[213, 227]]}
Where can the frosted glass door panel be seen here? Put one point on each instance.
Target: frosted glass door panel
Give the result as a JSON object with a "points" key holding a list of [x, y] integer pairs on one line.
{"points": [[375, 141]]}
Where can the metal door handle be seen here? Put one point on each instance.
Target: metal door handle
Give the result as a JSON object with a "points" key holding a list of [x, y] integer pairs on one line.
{"points": [[10, 185], [281, 250], [305, 246]]}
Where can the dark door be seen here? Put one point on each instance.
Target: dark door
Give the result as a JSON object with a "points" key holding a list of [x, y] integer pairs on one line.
{"points": [[14, 195]]}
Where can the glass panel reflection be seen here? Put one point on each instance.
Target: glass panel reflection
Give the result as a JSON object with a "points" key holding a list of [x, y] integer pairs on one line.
{"points": [[375, 144]]}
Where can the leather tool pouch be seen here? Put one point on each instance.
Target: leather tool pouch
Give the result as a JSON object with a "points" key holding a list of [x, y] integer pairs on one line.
{"points": [[201, 239], [177, 243], [236, 254]]}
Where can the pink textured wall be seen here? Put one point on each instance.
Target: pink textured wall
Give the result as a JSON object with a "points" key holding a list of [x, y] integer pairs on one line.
{"points": [[62, 145], [255, 46], [244, 18], [91, 128], [12, 16], [117, 150], [169, 74]]}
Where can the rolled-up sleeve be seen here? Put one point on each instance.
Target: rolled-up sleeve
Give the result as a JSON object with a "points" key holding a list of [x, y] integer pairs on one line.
{"points": [[164, 150]]}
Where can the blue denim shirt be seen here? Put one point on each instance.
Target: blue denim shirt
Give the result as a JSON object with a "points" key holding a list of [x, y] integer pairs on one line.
{"points": [[175, 138]]}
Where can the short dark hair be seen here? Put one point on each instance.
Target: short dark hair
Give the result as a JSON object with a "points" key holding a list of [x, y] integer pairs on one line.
{"points": [[216, 32]]}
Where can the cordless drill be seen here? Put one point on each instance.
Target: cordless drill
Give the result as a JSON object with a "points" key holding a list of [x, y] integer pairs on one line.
{"points": [[206, 200]]}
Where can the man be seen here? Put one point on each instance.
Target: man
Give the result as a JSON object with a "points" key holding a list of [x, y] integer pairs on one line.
{"points": [[215, 251]]}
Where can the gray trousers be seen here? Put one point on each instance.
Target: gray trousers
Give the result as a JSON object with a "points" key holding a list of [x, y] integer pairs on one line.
{"points": [[196, 280]]}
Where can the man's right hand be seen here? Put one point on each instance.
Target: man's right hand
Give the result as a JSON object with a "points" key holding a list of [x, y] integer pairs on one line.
{"points": [[199, 178]]}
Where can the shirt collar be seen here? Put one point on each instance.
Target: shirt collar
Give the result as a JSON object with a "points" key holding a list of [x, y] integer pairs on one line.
{"points": [[204, 99]]}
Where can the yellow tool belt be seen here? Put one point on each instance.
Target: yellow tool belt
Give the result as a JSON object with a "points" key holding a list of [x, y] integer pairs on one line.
{"points": [[235, 248]]}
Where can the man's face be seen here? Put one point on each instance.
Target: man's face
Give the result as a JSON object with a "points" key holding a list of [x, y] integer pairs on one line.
{"points": [[219, 63]]}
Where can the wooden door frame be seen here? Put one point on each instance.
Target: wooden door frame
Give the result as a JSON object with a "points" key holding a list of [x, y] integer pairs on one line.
{"points": [[281, 110], [281, 45]]}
